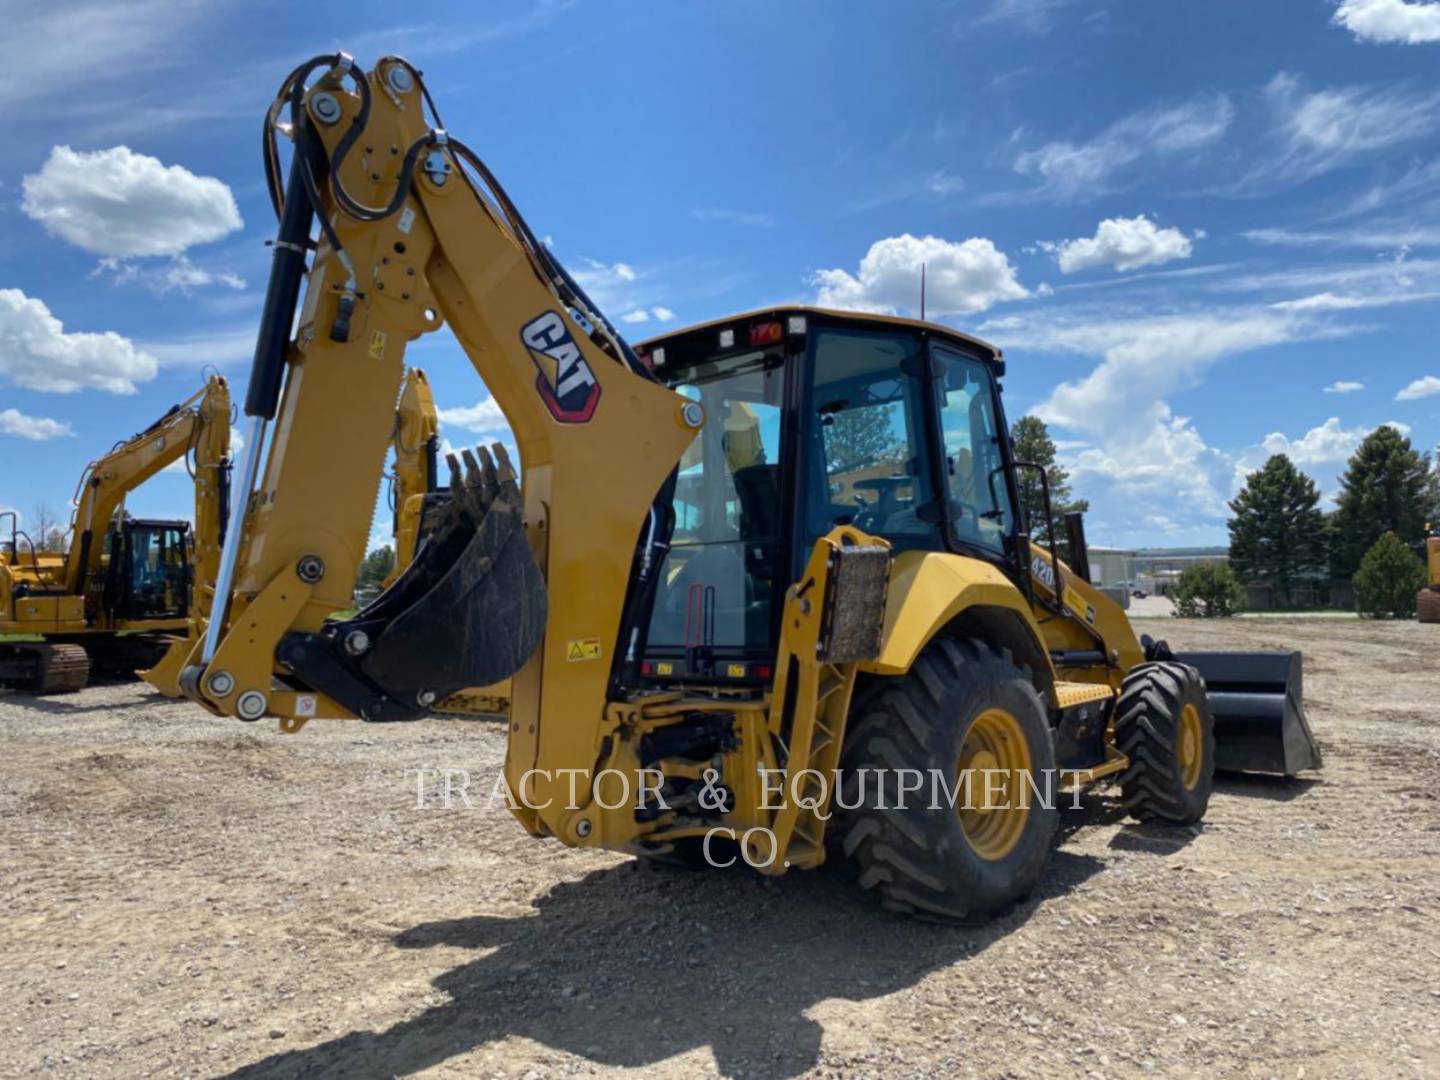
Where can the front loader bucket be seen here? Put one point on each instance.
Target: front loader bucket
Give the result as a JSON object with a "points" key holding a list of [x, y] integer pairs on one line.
{"points": [[1258, 704], [468, 611]]}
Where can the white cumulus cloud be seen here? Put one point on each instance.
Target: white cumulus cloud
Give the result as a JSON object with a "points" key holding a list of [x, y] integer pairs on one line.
{"points": [[38, 353], [119, 204], [1406, 21], [482, 418], [1324, 445], [1124, 243], [35, 428], [1422, 387], [960, 277], [1142, 460], [1344, 386]]}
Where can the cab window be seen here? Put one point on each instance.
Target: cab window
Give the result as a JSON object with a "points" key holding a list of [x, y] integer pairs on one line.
{"points": [[718, 578], [867, 438], [977, 495]]}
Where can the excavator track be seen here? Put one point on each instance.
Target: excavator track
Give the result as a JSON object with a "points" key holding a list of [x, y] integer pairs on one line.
{"points": [[41, 668]]}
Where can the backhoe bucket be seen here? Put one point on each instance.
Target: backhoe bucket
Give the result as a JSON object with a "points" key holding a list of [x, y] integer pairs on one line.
{"points": [[468, 611], [1258, 703]]}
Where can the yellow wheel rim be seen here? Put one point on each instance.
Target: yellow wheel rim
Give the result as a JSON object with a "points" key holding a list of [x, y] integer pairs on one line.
{"points": [[995, 784], [1192, 747]]}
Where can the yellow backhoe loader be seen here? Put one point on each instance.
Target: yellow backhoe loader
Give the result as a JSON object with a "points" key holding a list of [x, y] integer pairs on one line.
{"points": [[765, 580], [125, 590]]}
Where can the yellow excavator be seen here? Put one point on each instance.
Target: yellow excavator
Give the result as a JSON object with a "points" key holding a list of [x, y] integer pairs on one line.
{"points": [[764, 585], [125, 590], [1427, 601], [416, 445]]}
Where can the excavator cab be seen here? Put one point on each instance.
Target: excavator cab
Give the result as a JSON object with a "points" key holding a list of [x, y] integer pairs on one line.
{"points": [[150, 570]]}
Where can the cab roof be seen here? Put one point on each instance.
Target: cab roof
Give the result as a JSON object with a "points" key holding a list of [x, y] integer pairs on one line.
{"points": [[759, 314]]}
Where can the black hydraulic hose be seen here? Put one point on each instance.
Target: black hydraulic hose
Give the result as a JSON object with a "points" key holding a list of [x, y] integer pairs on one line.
{"points": [[291, 92], [222, 496], [432, 464]]}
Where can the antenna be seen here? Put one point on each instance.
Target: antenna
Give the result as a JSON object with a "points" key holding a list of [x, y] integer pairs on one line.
{"points": [[922, 292]]}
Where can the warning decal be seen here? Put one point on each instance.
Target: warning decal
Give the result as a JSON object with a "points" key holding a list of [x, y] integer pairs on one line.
{"points": [[583, 649]]}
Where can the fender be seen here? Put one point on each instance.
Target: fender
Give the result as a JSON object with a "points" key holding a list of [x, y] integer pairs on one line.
{"points": [[930, 591]]}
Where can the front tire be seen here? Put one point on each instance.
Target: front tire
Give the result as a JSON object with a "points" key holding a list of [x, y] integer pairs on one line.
{"points": [[963, 705], [1164, 726]]}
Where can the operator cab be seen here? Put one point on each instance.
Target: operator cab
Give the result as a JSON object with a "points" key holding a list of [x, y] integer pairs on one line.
{"points": [[148, 576], [814, 419]]}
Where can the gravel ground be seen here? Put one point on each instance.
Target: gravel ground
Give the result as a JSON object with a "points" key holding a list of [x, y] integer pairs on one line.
{"points": [[186, 896]]}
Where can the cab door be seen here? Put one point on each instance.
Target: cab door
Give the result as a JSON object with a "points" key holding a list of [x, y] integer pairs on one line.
{"points": [[978, 477]]}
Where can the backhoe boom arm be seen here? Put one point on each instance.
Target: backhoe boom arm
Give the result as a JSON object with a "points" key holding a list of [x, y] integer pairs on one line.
{"points": [[597, 437]]}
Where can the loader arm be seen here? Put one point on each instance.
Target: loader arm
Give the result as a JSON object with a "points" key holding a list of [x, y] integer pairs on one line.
{"points": [[419, 247], [201, 423]]}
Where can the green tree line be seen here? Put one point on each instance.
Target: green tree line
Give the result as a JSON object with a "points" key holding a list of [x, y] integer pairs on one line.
{"points": [[1389, 496]]}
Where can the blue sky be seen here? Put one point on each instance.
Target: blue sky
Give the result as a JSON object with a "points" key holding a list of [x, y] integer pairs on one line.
{"points": [[1203, 230]]}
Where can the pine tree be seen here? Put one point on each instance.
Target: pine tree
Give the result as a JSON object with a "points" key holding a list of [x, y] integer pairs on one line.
{"points": [[1390, 575], [1277, 535], [856, 438], [1388, 487], [1031, 441], [374, 567]]}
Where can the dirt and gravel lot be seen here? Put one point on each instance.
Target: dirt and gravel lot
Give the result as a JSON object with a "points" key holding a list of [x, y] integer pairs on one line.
{"points": [[185, 896]]}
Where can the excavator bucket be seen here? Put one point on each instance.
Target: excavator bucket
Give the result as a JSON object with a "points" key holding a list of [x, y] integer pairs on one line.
{"points": [[468, 611], [1258, 704]]}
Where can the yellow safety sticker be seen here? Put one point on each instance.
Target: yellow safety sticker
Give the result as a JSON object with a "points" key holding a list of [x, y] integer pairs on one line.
{"points": [[735, 671], [583, 649], [377, 345]]}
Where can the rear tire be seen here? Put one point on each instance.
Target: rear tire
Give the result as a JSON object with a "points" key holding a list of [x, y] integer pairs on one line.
{"points": [[1427, 605], [961, 700], [1164, 726]]}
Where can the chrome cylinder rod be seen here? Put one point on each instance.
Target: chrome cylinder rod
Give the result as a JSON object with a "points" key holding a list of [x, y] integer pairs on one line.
{"points": [[230, 553]]}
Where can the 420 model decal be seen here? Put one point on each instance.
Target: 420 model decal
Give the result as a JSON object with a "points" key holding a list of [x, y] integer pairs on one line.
{"points": [[566, 383]]}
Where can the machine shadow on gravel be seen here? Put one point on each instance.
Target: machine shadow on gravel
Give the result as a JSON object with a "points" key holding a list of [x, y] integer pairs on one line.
{"points": [[630, 966], [1262, 786], [59, 706]]}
